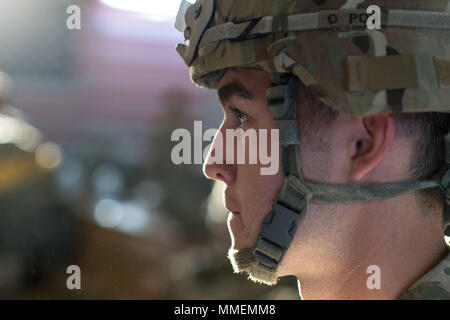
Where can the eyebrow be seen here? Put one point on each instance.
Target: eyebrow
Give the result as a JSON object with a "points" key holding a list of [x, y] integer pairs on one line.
{"points": [[234, 88]]}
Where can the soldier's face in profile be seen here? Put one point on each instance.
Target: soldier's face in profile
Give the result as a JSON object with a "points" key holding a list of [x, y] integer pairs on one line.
{"points": [[248, 195]]}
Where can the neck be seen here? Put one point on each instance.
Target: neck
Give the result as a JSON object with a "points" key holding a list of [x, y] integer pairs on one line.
{"points": [[393, 245]]}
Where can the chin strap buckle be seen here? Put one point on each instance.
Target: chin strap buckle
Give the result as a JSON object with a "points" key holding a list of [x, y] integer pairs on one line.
{"points": [[276, 235]]}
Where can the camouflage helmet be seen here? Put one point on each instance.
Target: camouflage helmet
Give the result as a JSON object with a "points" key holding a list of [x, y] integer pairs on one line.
{"points": [[403, 67]]}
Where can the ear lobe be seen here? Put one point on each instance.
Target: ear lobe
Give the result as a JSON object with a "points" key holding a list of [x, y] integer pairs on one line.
{"points": [[371, 149]]}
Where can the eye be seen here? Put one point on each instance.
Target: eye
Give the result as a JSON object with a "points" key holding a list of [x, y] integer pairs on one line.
{"points": [[240, 115]]}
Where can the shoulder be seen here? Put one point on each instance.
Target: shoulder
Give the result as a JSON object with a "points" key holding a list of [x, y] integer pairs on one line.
{"points": [[434, 285]]}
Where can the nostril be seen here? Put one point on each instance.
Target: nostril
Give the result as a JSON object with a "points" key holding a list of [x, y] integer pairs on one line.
{"points": [[223, 173]]}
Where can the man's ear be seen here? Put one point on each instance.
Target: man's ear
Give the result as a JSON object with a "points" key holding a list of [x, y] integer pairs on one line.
{"points": [[369, 151]]}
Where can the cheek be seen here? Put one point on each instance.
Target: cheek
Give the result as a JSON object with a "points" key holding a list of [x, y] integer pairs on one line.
{"points": [[256, 191], [256, 194], [319, 161]]}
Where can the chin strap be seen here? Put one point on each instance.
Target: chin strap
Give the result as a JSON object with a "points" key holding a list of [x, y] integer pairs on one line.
{"points": [[280, 225], [292, 202]]}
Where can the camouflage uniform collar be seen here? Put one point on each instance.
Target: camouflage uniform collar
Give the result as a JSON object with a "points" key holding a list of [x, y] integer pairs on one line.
{"points": [[434, 285]]}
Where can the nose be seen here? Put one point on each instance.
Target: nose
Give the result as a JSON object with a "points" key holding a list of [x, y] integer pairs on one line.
{"points": [[220, 172], [215, 166]]}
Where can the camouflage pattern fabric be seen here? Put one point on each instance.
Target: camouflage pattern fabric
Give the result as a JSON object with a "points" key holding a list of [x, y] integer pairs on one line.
{"points": [[353, 69], [434, 285]]}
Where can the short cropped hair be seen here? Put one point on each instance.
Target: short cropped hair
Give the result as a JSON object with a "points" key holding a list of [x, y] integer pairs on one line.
{"points": [[426, 131]]}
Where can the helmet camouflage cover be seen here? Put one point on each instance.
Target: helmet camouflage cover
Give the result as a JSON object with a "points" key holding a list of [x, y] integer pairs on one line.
{"points": [[403, 67]]}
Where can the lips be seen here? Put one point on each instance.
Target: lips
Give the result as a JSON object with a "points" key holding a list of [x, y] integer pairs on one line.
{"points": [[230, 202]]}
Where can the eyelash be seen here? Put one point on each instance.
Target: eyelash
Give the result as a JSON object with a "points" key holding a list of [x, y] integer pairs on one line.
{"points": [[242, 117]]}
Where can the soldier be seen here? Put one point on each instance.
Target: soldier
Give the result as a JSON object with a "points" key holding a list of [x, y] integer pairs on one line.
{"points": [[363, 122]]}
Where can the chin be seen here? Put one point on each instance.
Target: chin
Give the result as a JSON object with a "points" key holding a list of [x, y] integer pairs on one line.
{"points": [[240, 242], [237, 230]]}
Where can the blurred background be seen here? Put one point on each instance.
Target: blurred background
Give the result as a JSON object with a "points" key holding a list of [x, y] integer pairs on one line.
{"points": [[86, 176]]}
